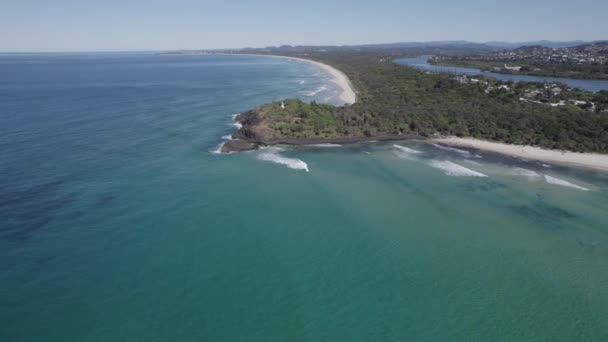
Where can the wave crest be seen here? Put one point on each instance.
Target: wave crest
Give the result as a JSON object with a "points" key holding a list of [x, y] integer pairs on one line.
{"points": [[316, 91], [518, 171], [272, 155], [561, 182], [406, 149], [462, 152], [452, 169]]}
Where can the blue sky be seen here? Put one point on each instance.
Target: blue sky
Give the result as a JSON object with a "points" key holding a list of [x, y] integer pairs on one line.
{"points": [[130, 25]]}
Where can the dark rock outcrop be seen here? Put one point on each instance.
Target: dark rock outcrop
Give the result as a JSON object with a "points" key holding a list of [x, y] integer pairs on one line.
{"points": [[238, 145]]}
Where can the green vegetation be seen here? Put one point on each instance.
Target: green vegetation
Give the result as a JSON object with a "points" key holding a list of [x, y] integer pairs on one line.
{"points": [[533, 68], [397, 100], [299, 119]]}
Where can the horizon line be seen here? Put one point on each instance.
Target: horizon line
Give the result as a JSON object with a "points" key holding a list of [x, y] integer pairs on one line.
{"points": [[490, 42]]}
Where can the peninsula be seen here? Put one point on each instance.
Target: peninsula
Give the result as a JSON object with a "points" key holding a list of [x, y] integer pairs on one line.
{"points": [[397, 102]]}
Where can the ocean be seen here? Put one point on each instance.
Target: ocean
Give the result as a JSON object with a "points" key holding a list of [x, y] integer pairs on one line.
{"points": [[120, 222]]}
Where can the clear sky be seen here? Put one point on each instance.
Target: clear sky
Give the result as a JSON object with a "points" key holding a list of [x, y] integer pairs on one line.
{"points": [[130, 25]]}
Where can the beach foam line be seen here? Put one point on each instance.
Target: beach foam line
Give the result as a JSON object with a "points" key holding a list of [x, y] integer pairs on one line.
{"points": [[518, 171], [325, 145], [595, 161], [561, 182], [452, 169], [347, 94], [406, 149], [316, 91], [462, 152], [271, 154], [406, 152]]}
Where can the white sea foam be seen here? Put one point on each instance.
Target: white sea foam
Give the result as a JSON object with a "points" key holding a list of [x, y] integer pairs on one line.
{"points": [[302, 81], [456, 170], [473, 162], [462, 152], [406, 149], [236, 124], [316, 91], [518, 171], [325, 145], [227, 137], [561, 182], [271, 154], [218, 149], [546, 166]]}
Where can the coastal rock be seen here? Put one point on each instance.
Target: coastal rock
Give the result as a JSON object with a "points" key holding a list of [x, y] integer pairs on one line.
{"points": [[238, 145]]}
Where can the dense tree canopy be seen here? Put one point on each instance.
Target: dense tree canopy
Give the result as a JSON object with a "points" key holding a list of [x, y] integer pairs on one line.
{"points": [[398, 100]]}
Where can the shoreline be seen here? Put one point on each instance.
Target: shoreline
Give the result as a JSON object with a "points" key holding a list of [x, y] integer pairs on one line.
{"points": [[347, 92], [595, 161]]}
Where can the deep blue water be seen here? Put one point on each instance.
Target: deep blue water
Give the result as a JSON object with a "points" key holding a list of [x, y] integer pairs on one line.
{"points": [[423, 64]]}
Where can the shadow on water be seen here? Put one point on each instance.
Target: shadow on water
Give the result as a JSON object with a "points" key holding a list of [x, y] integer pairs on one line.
{"points": [[27, 210], [543, 213]]}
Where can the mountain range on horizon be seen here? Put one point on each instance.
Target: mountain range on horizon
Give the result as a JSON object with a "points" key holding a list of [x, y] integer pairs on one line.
{"points": [[491, 45]]}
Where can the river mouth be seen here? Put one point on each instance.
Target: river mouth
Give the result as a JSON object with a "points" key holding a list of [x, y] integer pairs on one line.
{"points": [[422, 63]]}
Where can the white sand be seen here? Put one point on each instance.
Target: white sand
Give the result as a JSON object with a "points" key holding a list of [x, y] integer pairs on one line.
{"points": [[347, 94], [587, 160]]}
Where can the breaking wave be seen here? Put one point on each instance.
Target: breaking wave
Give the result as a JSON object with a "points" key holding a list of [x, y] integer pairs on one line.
{"points": [[316, 91], [518, 171], [561, 182], [462, 152], [238, 125], [406, 152], [218, 149], [406, 149], [456, 170], [325, 145], [271, 154]]}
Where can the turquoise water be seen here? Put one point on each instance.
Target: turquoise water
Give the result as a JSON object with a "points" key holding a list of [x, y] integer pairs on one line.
{"points": [[121, 224], [423, 64]]}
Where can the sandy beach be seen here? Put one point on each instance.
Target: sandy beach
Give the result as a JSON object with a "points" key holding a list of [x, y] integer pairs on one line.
{"points": [[594, 161], [347, 94]]}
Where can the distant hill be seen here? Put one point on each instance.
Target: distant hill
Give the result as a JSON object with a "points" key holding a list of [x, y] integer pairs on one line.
{"points": [[449, 44], [543, 43]]}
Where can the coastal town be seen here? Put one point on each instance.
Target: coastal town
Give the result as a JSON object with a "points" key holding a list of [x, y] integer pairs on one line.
{"points": [[547, 93], [584, 61], [584, 54]]}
